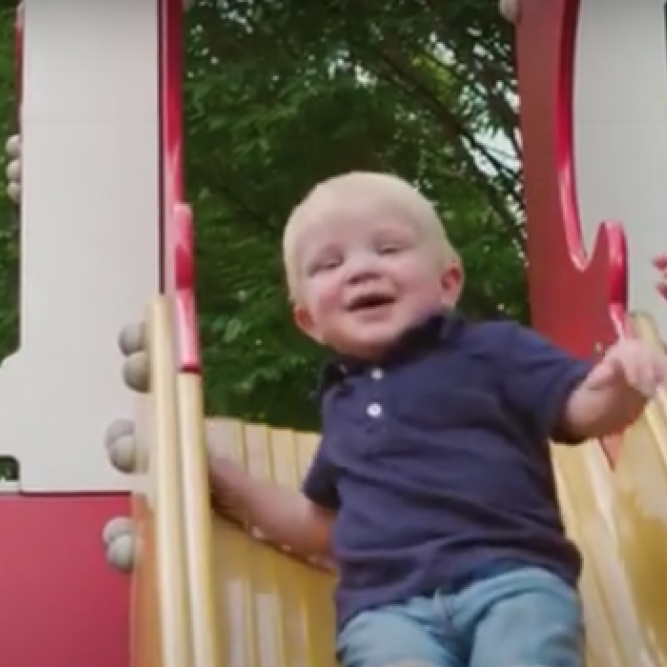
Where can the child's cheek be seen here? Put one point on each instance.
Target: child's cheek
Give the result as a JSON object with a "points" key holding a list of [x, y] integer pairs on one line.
{"points": [[330, 297]]}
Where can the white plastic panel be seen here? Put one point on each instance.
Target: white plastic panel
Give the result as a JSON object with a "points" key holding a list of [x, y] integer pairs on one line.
{"points": [[620, 124], [90, 234]]}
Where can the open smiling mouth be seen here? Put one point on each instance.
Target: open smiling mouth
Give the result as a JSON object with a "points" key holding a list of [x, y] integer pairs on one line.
{"points": [[370, 302]]}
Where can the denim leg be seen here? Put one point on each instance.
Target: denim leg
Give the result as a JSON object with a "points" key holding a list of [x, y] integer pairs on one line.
{"points": [[406, 635], [528, 618]]}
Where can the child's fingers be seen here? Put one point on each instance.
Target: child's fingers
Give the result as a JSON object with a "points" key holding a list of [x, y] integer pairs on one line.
{"points": [[635, 373], [646, 371], [644, 380], [603, 374], [638, 366]]}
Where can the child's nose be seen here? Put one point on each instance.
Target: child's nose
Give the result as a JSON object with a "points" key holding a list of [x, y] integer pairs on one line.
{"points": [[363, 275], [363, 268]]}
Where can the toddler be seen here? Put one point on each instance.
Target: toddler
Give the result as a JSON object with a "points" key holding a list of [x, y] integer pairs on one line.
{"points": [[432, 488]]}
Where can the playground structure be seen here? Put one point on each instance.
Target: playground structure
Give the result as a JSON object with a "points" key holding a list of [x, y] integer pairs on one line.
{"points": [[111, 556]]}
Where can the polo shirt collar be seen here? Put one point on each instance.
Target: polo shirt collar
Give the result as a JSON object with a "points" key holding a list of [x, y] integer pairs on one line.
{"points": [[437, 329]]}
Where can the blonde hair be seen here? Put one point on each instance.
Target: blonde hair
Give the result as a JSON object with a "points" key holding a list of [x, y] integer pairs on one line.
{"points": [[390, 191]]}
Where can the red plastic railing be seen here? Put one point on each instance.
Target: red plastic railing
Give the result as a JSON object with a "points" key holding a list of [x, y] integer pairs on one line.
{"points": [[177, 230], [576, 299]]}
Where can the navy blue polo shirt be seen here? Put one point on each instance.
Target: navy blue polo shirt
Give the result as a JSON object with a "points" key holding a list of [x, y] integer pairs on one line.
{"points": [[437, 462]]}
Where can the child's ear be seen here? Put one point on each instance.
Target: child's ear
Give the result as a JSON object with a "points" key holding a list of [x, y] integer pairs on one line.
{"points": [[452, 280], [305, 322]]}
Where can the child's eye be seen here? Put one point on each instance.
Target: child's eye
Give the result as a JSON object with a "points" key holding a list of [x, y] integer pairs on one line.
{"points": [[325, 265], [389, 248]]}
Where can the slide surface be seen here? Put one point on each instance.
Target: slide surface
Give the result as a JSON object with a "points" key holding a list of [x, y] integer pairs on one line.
{"points": [[619, 519], [275, 611]]}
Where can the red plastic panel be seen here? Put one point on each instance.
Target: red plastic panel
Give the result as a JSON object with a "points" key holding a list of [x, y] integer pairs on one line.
{"points": [[62, 604], [578, 300], [178, 237]]}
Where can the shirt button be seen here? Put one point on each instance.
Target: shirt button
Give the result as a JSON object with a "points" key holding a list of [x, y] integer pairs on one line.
{"points": [[377, 373], [374, 410]]}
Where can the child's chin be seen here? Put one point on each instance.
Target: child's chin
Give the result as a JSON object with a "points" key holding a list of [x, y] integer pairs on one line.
{"points": [[373, 344]]}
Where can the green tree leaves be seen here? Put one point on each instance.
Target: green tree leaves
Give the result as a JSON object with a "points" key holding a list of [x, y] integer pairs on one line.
{"points": [[281, 94]]}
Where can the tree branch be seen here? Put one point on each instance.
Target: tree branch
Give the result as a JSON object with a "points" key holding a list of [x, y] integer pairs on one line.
{"points": [[456, 134]]}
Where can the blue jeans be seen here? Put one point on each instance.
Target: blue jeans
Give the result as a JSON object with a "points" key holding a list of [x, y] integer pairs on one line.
{"points": [[527, 617]]}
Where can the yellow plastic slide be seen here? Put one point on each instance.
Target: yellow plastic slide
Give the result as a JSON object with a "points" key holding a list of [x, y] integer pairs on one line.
{"points": [[206, 594]]}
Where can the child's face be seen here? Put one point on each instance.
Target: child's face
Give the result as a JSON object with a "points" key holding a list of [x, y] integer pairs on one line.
{"points": [[364, 281]]}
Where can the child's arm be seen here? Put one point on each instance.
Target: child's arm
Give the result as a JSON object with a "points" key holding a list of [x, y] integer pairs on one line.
{"points": [[568, 400], [615, 392], [284, 516]]}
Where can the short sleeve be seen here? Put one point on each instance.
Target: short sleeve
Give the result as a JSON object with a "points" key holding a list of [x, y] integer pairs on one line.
{"points": [[538, 378], [319, 485]]}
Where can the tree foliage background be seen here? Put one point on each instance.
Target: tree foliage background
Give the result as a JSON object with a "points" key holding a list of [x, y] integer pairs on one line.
{"points": [[281, 94]]}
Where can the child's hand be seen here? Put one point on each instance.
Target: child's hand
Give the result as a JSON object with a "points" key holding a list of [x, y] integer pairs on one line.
{"points": [[615, 392], [630, 363], [13, 150]]}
